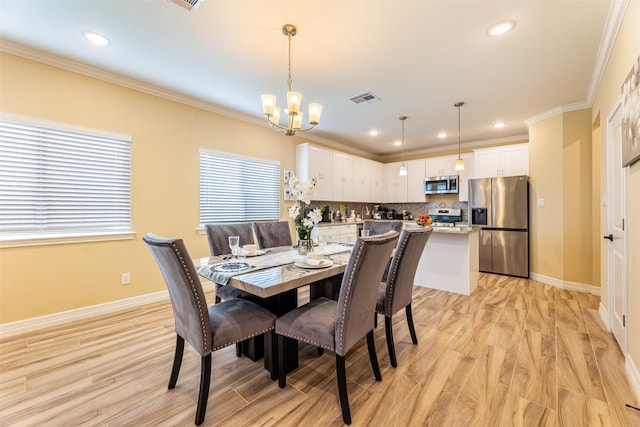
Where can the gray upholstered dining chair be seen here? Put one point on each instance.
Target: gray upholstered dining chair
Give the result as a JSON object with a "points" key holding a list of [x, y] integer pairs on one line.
{"points": [[396, 292], [218, 238], [338, 325], [380, 227], [205, 329], [271, 234]]}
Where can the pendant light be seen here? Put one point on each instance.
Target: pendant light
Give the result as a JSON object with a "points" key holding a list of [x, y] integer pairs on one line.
{"points": [[459, 162], [403, 167]]}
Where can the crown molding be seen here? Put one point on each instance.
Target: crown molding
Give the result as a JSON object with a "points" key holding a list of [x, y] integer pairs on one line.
{"points": [[558, 110], [617, 9], [137, 85]]}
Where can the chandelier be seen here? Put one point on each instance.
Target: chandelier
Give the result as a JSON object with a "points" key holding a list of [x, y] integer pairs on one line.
{"points": [[294, 99]]}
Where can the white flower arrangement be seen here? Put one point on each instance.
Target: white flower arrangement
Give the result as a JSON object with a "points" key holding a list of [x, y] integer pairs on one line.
{"points": [[301, 194]]}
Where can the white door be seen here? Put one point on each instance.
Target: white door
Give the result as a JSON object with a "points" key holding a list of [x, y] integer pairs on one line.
{"points": [[616, 238]]}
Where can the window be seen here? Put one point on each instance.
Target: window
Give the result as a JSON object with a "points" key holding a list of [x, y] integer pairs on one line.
{"points": [[238, 189], [58, 183]]}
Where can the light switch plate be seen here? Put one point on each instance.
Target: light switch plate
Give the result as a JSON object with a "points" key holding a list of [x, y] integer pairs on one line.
{"points": [[541, 203]]}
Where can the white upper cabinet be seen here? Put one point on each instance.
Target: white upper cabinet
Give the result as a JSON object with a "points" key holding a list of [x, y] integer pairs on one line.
{"points": [[340, 177], [465, 175], [315, 162], [508, 160], [343, 177], [415, 180], [441, 166], [361, 180], [377, 182], [395, 185], [409, 188]]}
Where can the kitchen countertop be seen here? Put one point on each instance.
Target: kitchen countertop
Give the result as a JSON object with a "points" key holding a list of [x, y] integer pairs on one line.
{"points": [[459, 229]]}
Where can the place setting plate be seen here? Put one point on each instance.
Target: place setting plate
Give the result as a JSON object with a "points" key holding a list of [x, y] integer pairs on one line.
{"points": [[230, 267], [323, 264], [257, 253]]}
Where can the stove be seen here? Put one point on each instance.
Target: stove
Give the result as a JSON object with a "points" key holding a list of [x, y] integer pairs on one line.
{"points": [[443, 217]]}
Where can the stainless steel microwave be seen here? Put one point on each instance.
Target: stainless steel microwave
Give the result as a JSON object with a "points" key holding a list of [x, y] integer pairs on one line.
{"points": [[441, 184]]}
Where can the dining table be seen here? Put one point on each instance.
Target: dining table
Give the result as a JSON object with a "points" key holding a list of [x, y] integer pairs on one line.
{"points": [[271, 278]]}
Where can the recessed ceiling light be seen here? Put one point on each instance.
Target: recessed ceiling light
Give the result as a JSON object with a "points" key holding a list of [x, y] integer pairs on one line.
{"points": [[397, 143], [501, 28], [374, 132], [499, 125], [442, 135], [95, 38]]}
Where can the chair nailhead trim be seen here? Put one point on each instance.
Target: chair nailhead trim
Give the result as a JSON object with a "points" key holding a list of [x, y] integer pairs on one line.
{"points": [[391, 278], [203, 321], [242, 339], [305, 340], [356, 262]]}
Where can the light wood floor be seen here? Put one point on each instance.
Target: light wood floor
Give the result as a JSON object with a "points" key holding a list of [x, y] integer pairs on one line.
{"points": [[516, 352]]}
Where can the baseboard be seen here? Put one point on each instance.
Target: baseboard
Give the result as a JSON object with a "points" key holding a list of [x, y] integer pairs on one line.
{"points": [[604, 316], [563, 284], [55, 319], [634, 376]]}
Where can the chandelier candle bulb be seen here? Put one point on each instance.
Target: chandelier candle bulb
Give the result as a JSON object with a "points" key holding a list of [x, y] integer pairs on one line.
{"points": [[315, 110], [268, 104], [294, 99]]}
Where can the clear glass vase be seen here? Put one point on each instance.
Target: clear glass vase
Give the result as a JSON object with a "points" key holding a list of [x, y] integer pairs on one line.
{"points": [[305, 246]]}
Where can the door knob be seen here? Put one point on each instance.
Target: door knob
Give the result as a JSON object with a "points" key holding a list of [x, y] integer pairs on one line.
{"points": [[609, 237]]}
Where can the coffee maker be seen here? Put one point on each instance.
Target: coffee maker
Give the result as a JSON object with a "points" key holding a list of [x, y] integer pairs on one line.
{"points": [[326, 215], [379, 212]]}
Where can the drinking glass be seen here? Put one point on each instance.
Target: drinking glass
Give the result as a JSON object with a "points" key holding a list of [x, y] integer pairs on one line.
{"points": [[364, 233], [322, 242], [234, 243], [241, 253]]}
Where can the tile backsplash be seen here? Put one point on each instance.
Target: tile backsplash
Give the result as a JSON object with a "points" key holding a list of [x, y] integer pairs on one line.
{"points": [[413, 208]]}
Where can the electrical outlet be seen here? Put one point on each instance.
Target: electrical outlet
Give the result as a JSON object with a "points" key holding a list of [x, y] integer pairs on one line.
{"points": [[541, 203], [126, 278]]}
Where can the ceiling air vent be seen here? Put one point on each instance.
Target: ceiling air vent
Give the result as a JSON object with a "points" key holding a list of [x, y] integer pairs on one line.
{"points": [[365, 98], [187, 4]]}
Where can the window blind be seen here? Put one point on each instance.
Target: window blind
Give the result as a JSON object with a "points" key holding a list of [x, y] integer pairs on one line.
{"points": [[55, 181], [238, 189]]}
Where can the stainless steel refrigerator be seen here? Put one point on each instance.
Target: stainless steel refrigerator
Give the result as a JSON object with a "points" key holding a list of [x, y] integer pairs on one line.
{"points": [[501, 207]]}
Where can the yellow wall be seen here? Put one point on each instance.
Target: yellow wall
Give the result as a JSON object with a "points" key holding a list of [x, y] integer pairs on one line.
{"points": [[166, 137], [625, 52], [576, 200], [545, 182]]}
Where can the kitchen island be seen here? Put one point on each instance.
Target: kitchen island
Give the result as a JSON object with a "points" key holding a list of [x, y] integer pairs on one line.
{"points": [[450, 260]]}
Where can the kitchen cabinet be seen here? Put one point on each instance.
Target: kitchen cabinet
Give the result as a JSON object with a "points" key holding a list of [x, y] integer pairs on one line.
{"points": [[395, 185], [315, 162], [441, 166], [377, 182], [342, 177], [465, 175], [508, 160], [361, 180], [409, 188], [346, 233], [415, 181]]}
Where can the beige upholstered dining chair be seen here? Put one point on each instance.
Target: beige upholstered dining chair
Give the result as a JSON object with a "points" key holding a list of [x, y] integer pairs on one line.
{"points": [[396, 292], [206, 329], [338, 325], [271, 234], [218, 238], [380, 227]]}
